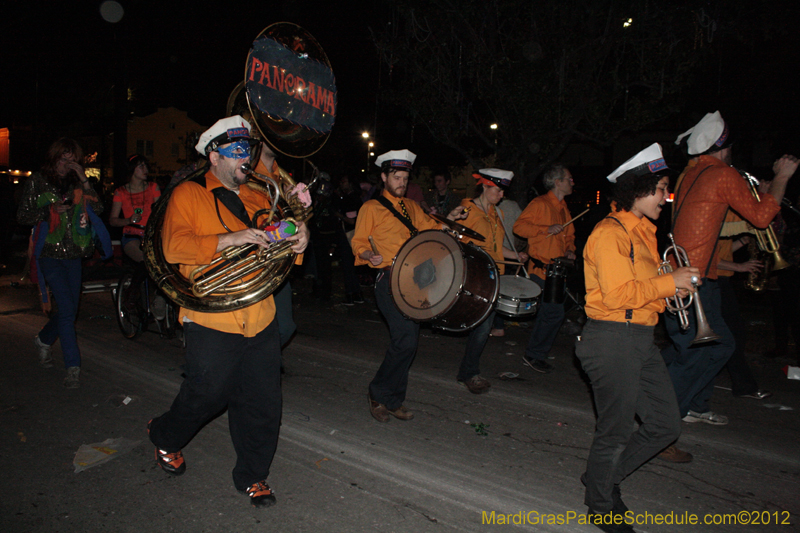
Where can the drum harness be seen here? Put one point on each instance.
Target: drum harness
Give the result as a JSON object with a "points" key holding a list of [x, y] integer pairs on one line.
{"points": [[404, 218]]}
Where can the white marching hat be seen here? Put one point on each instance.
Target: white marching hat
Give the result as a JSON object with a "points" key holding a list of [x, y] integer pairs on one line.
{"points": [[495, 177], [648, 161], [711, 133], [399, 159], [224, 131]]}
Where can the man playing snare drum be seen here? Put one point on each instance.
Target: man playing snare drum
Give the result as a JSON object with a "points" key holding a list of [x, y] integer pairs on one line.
{"points": [[543, 224], [390, 221]]}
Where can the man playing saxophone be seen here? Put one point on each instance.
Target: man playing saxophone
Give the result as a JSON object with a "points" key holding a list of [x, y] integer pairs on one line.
{"points": [[708, 187], [232, 358]]}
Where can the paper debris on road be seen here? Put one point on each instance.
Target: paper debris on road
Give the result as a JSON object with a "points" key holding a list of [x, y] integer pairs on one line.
{"points": [[89, 455]]}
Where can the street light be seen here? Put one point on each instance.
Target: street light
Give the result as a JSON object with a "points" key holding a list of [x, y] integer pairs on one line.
{"points": [[370, 144], [493, 127]]}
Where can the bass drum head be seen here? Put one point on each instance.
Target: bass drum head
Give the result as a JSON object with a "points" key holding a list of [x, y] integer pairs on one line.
{"points": [[427, 275]]}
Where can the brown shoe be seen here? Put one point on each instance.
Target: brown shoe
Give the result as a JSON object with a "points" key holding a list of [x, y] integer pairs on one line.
{"points": [[402, 413], [477, 384], [674, 455], [497, 333], [378, 410]]}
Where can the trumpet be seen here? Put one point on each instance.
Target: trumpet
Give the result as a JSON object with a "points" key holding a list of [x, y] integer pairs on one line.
{"points": [[680, 306], [767, 244]]}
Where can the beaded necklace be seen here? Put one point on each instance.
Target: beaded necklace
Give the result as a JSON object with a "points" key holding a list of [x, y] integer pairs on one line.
{"points": [[142, 195]]}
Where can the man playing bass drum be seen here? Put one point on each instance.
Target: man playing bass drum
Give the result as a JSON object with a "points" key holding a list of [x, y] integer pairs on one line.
{"points": [[390, 221]]}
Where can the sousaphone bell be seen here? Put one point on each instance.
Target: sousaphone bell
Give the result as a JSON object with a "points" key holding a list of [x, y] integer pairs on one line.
{"points": [[289, 95]]}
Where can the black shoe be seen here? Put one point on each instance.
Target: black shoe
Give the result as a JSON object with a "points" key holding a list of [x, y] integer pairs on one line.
{"points": [[619, 506], [358, 298], [348, 299], [260, 494], [538, 364], [610, 522]]}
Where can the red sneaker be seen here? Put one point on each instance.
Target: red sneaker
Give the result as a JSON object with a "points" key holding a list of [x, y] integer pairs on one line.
{"points": [[260, 494], [171, 463]]}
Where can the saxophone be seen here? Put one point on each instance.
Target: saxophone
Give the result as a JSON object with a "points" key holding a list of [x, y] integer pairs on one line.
{"points": [[764, 247]]}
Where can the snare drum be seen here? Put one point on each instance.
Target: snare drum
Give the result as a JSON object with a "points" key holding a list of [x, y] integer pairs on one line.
{"points": [[437, 279], [519, 296]]}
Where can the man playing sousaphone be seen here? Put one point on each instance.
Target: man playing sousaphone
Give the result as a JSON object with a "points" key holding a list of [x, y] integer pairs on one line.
{"points": [[486, 220], [382, 227], [232, 358]]}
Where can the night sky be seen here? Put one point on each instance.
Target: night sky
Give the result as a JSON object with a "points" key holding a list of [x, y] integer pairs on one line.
{"points": [[59, 61]]}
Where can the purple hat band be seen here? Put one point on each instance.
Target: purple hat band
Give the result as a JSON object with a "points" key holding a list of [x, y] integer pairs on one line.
{"points": [[398, 163], [723, 137]]}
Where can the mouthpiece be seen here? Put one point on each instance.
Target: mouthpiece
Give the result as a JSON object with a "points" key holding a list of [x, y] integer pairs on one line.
{"points": [[246, 169]]}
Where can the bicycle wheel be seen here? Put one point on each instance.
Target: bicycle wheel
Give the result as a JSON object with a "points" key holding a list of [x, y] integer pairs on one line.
{"points": [[130, 308]]}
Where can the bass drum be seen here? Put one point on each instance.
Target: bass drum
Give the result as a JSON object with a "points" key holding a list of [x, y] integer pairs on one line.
{"points": [[437, 279], [519, 296]]}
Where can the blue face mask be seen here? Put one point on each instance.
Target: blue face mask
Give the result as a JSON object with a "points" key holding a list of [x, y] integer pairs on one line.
{"points": [[237, 150]]}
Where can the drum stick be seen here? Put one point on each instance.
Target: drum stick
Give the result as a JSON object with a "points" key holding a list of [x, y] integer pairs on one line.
{"points": [[510, 263], [569, 222], [372, 243], [510, 237]]}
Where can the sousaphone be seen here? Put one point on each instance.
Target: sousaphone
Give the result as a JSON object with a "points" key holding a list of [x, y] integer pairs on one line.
{"points": [[289, 95]]}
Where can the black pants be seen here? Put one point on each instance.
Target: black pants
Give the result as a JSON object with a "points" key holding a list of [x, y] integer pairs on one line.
{"points": [[545, 327], [233, 371], [742, 380], [629, 380], [390, 383]]}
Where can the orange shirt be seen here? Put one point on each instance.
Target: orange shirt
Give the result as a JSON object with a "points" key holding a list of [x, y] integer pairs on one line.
{"points": [[190, 239], [487, 225], [701, 204], [614, 284], [387, 231], [532, 224]]}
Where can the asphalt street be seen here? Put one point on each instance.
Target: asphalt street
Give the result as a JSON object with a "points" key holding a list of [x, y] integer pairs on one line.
{"points": [[513, 454]]}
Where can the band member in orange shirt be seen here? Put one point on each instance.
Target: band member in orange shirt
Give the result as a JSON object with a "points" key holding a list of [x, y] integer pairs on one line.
{"points": [[233, 358], [624, 295], [486, 220], [542, 223], [389, 230], [708, 187]]}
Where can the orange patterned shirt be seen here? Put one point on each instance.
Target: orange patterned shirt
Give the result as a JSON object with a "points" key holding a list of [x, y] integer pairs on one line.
{"points": [[700, 206]]}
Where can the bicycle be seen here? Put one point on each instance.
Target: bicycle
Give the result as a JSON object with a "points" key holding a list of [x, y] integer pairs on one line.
{"points": [[134, 297]]}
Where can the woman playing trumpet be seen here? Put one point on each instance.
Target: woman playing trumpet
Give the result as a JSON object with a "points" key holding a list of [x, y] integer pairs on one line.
{"points": [[624, 295]]}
